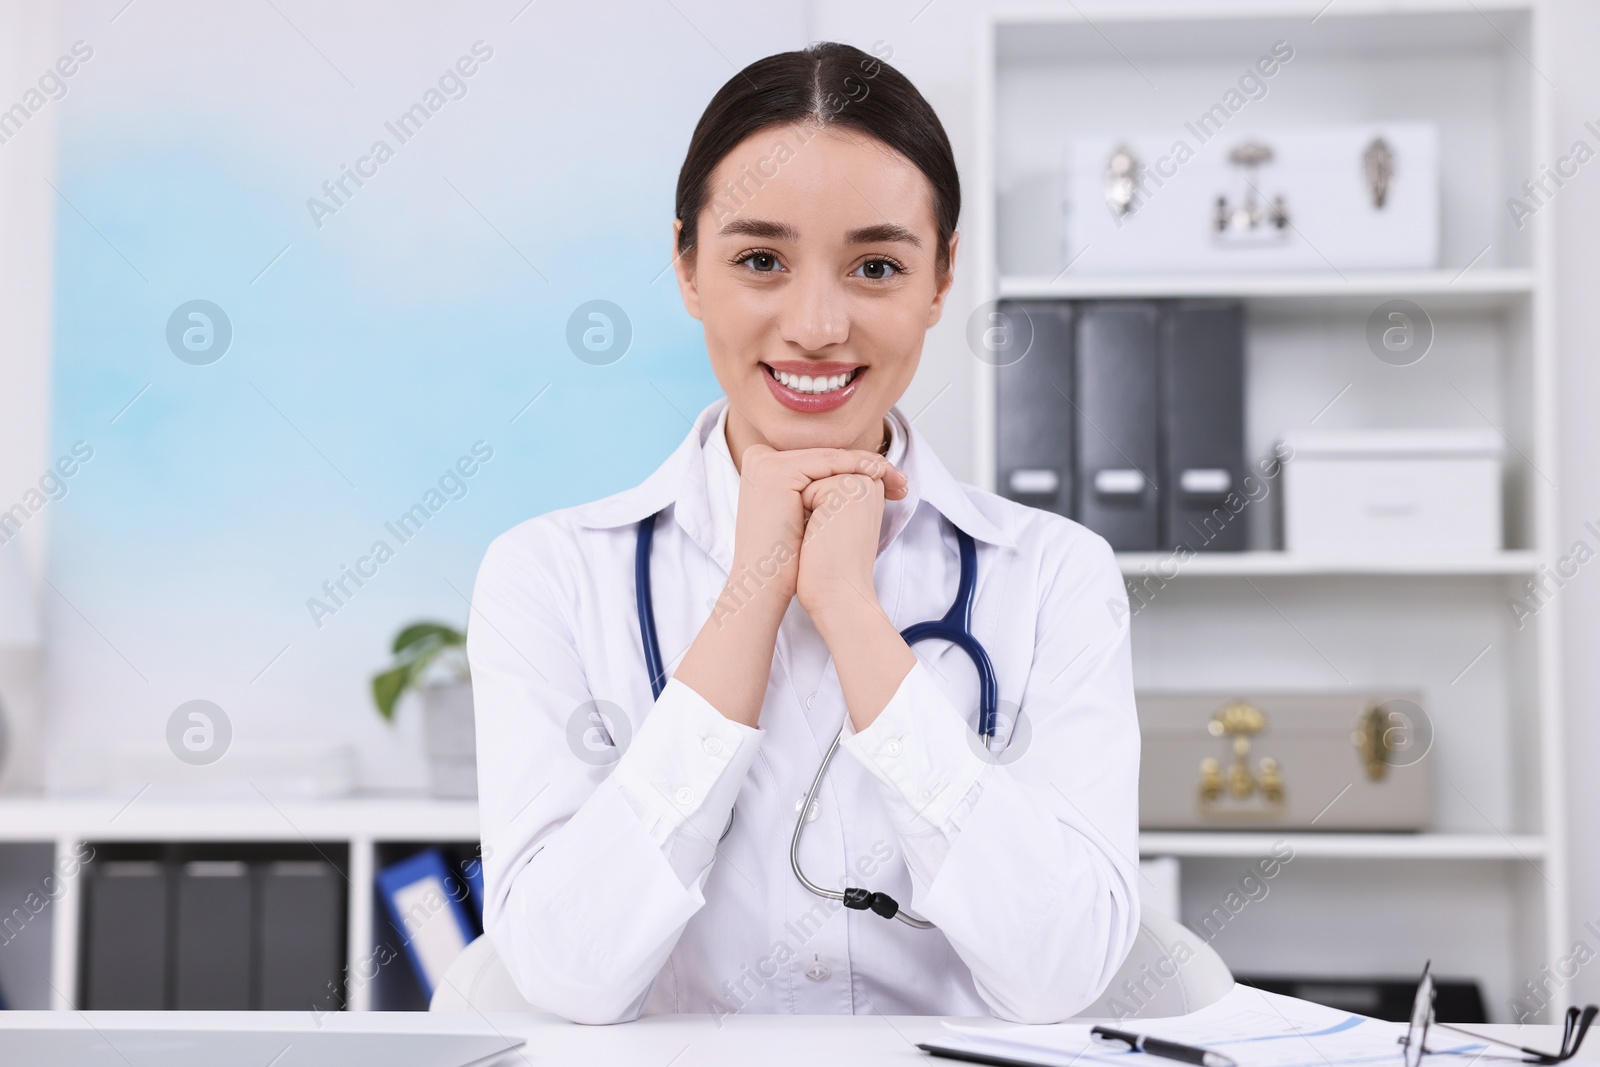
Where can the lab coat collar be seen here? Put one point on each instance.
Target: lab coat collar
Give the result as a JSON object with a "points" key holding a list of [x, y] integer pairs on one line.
{"points": [[680, 483]]}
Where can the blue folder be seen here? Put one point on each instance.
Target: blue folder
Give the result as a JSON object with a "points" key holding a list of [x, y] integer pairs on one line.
{"points": [[424, 901]]}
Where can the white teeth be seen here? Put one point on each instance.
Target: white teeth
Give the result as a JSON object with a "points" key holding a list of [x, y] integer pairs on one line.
{"points": [[805, 383]]}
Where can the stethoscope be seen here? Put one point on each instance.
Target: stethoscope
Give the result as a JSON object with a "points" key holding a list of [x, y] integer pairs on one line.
{"points": [[955, 627]]}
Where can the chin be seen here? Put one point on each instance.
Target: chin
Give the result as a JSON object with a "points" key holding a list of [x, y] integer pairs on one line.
{"points": [[788, 430]]}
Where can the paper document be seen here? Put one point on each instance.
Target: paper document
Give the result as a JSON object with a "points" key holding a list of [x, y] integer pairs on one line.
{"points": [[1251, 1026]]}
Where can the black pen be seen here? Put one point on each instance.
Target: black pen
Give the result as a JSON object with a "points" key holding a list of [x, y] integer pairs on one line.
{"points": [[1170, 1050]]}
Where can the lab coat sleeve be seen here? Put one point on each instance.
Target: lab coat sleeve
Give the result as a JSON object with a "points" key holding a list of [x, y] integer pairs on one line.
{"points": [[682, 775], [593, 863], [924, 768], [1028, 863]]}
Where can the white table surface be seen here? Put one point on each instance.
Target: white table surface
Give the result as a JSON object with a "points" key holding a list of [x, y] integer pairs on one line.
{"points": [[654, 1041]]}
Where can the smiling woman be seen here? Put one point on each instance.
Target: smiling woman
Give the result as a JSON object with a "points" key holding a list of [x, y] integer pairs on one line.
{"points": [[862, 133], [788, 555]]}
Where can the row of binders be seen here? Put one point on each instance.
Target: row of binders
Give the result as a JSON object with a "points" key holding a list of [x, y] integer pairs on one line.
{"points": [[1127, 416], [212, 934], [243, 928]]}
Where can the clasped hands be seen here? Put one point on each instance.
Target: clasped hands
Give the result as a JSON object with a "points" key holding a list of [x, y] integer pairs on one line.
{"points": [[808, 527]]}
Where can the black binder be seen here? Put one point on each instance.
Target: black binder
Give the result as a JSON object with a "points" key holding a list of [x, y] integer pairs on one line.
{"points": [[125, 937], [302, 906], [212, 950], [1117, 431], [1202, 403], [1033, 412]]}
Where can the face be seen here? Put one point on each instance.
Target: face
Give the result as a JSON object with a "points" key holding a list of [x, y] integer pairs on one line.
{"points": [[814, 276]]}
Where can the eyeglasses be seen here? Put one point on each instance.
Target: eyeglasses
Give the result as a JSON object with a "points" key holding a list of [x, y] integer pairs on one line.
{"points": [[1416, 1038]]}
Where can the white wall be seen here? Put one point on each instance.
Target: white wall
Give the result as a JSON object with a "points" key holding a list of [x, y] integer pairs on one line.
{"points": [[1574, 39], [27, 231], [27, 234]]}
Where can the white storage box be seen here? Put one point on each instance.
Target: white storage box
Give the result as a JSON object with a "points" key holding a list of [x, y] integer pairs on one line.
{"points": [[1360, 197], [1387, 494]]}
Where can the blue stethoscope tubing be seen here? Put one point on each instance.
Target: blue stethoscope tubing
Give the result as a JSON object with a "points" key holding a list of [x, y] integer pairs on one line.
{"points": [[955, 627], [647, 608]]}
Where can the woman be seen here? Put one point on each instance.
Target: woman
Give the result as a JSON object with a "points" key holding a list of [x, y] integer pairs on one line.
{"points": [[639, 846]]}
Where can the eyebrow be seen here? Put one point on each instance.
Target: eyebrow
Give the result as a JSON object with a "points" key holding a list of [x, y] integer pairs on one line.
{"points": [[782, 231]]}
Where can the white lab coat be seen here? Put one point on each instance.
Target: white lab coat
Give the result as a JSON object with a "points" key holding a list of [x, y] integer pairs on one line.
{"points": [[607, 892]]}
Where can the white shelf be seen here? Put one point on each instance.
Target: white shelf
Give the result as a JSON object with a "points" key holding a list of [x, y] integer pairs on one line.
{"points": [[1286, 564], [1246, 844], [1472, 286], [373, 818], [409, 818]]}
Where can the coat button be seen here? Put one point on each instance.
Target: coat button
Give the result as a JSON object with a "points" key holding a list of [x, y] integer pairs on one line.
{"points": [[685, 795], [713, 746], [811, 813], [892, 747], [818, 971]]}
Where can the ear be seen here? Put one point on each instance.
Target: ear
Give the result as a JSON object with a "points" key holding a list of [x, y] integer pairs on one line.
{"points": [[943, 283], [683, 266]]}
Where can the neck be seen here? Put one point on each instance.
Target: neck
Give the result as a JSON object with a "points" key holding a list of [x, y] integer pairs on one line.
{"points": [[741, 434]]}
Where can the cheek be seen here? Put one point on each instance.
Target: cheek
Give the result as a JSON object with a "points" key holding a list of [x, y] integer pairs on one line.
{"points": [[890, 335], [738, 325]]}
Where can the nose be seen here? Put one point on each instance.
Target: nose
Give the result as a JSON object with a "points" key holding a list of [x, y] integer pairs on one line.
{"points": [[815, 314]]}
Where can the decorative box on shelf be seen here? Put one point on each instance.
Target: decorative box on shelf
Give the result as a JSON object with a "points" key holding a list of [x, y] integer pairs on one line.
{"points": [[1197, 198], [1385, 494], [1295, 761]]}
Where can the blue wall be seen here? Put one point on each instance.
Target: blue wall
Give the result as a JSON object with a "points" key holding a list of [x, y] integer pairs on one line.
{"points": [[371, 347]]}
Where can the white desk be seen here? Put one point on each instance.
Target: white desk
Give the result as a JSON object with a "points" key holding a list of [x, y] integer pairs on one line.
{"points": [[655, 1041]]}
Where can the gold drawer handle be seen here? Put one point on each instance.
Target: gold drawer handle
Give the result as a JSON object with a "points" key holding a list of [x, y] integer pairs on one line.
{"points": [[1382, 734], [1241, 722]]}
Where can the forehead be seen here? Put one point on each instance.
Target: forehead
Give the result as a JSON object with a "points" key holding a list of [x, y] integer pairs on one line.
{"points": [[822, 181]]}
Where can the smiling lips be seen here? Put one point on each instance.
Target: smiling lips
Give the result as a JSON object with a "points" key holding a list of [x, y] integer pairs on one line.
{"points": [[812, 387]]}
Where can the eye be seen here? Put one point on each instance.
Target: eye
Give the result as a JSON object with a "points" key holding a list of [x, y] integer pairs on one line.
{"points": [[878, 270], [760, 262]]}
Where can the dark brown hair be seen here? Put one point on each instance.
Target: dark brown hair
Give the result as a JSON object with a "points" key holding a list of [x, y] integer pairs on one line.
{"points": [[826, 84]]}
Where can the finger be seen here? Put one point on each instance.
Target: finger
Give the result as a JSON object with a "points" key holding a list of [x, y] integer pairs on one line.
{"points": [[823, 493], [754, 452], [815, 494], [815, 464], [833, 493]]}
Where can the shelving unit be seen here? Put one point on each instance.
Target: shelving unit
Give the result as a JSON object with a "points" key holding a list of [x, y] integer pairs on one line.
{"points": [[1217, 844], [1469, 285], [1273, 563], [1483, 893], [40, 833], [365, 829]]}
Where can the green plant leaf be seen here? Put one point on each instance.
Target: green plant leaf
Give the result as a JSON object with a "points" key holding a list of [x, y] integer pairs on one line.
{"points": [[423, 648], [421, 631], [387, 687], [415, 648]]}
